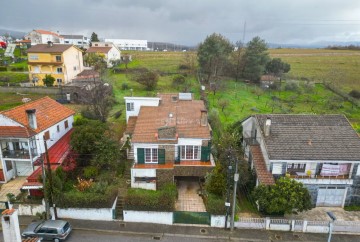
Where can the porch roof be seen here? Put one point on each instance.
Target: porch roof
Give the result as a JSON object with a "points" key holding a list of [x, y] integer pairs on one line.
{"points": [[264, 176], [15, 132]]}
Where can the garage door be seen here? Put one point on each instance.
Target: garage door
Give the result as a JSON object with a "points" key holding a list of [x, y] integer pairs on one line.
{"points": [[330, 197]]}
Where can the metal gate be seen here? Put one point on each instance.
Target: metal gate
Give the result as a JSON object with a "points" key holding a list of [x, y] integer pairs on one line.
{"points": [[185, 217], [330, 196]]}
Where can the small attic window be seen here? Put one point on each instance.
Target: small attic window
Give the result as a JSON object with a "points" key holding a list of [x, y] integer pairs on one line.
{"points": [[174, 98]]}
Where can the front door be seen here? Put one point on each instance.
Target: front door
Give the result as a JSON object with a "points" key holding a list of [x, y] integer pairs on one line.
{"points": [[331, 197]]}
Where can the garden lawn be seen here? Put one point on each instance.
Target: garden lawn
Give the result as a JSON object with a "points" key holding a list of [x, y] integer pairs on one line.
{"points": [[243, 102], [10, 100], [13, 77]]}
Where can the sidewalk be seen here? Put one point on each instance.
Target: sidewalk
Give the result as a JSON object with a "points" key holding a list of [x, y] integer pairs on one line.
{"points": [[158, 230]]}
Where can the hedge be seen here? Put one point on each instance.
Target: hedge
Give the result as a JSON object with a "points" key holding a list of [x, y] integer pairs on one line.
{"points": [[352, 208], [3, 68], [215, 205], [76, 199], [149, 200]]}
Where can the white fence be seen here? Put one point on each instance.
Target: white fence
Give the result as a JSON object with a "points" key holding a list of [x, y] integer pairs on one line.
{"points": [[298, 225]]}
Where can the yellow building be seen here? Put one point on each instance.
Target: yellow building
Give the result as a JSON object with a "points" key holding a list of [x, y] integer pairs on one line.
{"points": [[63, 62]]}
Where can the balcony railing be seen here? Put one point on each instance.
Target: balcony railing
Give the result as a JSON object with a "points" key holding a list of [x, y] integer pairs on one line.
{"points": [[18, 154], [305, 176]]}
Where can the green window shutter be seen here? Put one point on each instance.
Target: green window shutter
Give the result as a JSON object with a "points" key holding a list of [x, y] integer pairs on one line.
{"points": [[205, 153], [140, 156], [161, 156]]}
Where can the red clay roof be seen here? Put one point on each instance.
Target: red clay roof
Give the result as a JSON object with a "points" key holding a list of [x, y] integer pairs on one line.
{"points": [[130, 127], [185, 117], [40, 31], [98, 50], [57, 154], [16, 132], [48, 113], [264, 176]]}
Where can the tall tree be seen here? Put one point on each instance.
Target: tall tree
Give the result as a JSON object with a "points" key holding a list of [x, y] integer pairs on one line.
{"points": [[94, 37], [237, 60], [277, 67], [213, 55], [256, 57]]}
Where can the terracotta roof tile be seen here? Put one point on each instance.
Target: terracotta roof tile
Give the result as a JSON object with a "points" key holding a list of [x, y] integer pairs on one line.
{"points": [[45, 48], [98, 49], [16, 132], [264, 176], [40, 31], [185, 116], [48, 113], [130, 127]]}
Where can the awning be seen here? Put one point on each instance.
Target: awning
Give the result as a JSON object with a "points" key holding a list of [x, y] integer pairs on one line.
{"points": [[32, 185]]}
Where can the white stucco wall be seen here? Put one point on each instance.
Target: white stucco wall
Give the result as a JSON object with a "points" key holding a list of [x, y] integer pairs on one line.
{"points": [[148, 217], [217, 221], [143, 173], [31, 209], [5, 121], [72, 59], [187, 141], [138, 103], [103, 214], [113, 54]]}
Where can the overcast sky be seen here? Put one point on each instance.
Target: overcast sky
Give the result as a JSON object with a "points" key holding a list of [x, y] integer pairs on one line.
{"points": [[190, 21]]}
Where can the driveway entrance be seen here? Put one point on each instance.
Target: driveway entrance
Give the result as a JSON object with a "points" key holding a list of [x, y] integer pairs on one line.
{"points": [[188, 195]]}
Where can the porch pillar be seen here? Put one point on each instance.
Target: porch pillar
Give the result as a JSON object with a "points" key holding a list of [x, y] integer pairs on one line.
{"points": [[351, 170], [30, 155]]}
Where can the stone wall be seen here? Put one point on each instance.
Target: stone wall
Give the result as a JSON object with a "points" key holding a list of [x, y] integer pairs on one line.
{"points": [[38, 90], [163, 177], [169, 152], [200, 171]]}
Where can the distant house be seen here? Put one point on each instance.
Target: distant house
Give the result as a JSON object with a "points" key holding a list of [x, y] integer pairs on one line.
{"points": [[78, 40], [170, 139], [23, 131], [38, 36], [107, 49], [63, 62], [321, 151], [129, 44]]}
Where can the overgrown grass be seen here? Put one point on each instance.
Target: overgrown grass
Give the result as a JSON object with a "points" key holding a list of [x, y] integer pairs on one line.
{"points": [[13, 77], [10, 100]]}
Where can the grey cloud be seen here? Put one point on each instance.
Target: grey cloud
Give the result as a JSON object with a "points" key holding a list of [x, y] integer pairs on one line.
{"points": [[190, 21]]}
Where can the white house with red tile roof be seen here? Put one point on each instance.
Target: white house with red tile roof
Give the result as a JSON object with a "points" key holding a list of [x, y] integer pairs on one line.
{"points": [[107, 49], [170, 139], [22, 133], [39, 36]]}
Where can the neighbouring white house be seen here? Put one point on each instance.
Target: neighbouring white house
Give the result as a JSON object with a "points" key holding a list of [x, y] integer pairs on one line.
{"points": [[321, 151], [129, 44], [106, 49], [78, 40], [23, 132], [170, 139], [39, 36]]}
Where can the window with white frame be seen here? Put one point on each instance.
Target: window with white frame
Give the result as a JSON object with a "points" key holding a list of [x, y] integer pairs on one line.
{"points": [[190, 152], [151, 155], [130, 106]]}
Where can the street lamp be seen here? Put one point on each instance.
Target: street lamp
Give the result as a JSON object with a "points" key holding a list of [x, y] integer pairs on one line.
{"points": [[333, 218]]}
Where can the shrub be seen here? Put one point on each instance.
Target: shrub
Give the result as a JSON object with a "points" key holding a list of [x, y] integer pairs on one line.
{"points": [[91, 172], [124, 86], [178, 80], [215, 205], [83, 184], [355, 94], [148, 200], [76, 199], [184, 67], [17, 68], [291, 86], [3, 68]]}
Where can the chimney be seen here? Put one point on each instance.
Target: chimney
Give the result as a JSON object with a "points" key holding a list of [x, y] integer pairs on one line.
{"points": [[267, 126], [10, 226], [203, 118], [31, 118], [50, 43]]}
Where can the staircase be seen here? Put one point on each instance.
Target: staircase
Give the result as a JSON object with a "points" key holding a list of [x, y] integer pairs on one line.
{"points": [[120, 204], [130, 153]]}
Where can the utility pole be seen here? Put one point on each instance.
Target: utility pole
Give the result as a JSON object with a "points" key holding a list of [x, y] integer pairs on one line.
{"points": [[227, 203], [47, 210], [51, 195], [236, 179]]}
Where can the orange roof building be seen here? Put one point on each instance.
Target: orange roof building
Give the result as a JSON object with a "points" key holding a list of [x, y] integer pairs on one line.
{"points": [[39, 36], [168, 134], [25, 129]]}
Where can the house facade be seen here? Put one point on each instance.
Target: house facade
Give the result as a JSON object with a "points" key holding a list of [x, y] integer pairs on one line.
{"points": [[321, 151], [22, 133], [63, 62], [77, 40], [38, 36], [170, 139], [106, 49], [129, 44]]}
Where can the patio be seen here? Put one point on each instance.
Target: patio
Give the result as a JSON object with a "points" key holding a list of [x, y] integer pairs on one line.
{"points": [[12, 186], [188, 197]]}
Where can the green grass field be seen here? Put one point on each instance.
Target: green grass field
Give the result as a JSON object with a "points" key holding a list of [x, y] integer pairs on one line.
{"points": [[340, 66]]}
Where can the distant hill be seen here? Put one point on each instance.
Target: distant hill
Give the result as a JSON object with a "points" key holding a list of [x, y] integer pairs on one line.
{"points": [[322, 44], [12, 33]]}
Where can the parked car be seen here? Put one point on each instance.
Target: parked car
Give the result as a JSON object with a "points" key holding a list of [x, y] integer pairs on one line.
{"points": [[2, 44], [48, 230]]}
